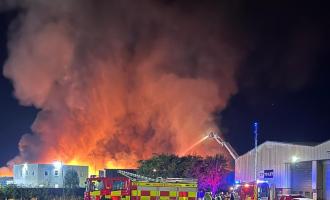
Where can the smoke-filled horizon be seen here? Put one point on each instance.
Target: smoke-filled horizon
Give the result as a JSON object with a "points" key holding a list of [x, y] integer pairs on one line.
{"points": [[116, 81]]}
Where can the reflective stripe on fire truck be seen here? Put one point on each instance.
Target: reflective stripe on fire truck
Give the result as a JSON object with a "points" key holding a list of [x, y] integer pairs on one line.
{"points": [[192, 194], [95, 193], [116, 193], [146, 184], [117, 197], [149, 193]]}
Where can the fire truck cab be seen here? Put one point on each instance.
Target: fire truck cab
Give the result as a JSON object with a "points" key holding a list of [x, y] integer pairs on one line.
{"points": [[253, 191], [100, 188]]}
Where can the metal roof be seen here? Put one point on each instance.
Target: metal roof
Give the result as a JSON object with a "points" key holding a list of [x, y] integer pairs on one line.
{"points": [[306, 144]]}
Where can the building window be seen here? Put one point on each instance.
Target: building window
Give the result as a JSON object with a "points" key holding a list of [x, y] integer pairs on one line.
{"points": [[46, 173], [32, 173], [56, 172]]}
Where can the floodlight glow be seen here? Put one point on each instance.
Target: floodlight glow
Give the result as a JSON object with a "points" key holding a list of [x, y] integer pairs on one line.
{"points": [[237, 186], [294, 159], [24, 169], [246, 185], [57, 164], [231, 188], [25, 166], [262, 181]]}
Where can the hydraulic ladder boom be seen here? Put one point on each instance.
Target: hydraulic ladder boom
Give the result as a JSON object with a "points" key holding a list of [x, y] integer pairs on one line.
{"points": [[225, 144], [136, 177]]}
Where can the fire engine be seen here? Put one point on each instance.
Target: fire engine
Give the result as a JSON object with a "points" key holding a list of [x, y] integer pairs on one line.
{"points": [[136, 187], [253, 190]]}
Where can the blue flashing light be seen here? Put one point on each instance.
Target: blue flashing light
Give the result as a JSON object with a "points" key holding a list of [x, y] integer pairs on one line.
{"points": [[200, 194]]}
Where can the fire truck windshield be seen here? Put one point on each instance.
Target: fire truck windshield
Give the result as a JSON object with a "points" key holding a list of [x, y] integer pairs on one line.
{"points": [[118, 185], [94, 185]]}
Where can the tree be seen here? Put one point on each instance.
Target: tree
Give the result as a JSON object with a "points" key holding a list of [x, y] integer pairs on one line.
{"points": [[11, 191], [71, 179], [211, 173], [169, 166], [187, 165], [163, 165], [2, 195]]}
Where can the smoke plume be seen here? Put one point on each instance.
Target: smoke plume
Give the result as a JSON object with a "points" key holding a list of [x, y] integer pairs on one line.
{"points": [[117, 81]]}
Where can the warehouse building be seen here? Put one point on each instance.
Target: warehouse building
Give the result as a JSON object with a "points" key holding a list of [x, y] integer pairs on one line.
{"points": [[288, 168], [6, 180], [46, 175]]}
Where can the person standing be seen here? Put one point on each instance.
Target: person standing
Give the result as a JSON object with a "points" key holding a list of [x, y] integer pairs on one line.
{"points": [[232, 196]]}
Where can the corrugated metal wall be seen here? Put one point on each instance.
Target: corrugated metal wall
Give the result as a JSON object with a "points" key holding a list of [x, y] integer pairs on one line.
{"points": [[322, 151], [289, 177], [272, 156], [301, 178], [326, 179]]}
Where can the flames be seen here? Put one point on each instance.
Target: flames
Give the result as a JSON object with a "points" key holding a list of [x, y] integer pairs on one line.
{"points": [[116, 81]]}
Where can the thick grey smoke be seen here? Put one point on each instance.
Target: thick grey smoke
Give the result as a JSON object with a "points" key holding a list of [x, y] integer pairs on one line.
{"points": [[116, 81]]}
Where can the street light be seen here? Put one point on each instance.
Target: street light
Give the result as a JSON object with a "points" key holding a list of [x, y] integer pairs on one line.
{"points": [[154, 172], [57, 165], [294, 159]]}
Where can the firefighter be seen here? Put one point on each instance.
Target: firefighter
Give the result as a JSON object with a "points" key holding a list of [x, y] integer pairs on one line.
{"points": [[232, 196], [208, 196]]}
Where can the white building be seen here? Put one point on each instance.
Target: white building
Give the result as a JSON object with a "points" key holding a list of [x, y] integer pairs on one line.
{"points": [[46, 175], [289, 168]]}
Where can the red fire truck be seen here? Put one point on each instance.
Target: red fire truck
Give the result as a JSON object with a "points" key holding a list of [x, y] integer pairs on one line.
{"points": [[136, 187], [253, 191]]}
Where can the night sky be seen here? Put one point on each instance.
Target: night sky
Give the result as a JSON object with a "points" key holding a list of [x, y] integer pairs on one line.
{"points": [[283, 82]]}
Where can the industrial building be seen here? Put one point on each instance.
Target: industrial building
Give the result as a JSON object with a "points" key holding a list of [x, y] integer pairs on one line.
{"points": [[46, 175], [288, 168], [6, 180]]}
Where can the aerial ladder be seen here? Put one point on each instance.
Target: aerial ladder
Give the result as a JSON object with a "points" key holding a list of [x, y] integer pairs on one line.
{"points": [[219, 140], [136, 177]]}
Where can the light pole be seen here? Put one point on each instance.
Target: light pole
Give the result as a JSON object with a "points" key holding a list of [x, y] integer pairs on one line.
{"points": [[255, 148]]}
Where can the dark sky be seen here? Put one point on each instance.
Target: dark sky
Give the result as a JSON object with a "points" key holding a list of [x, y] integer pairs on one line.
{"points": [[283, 81], [15, 119]]}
